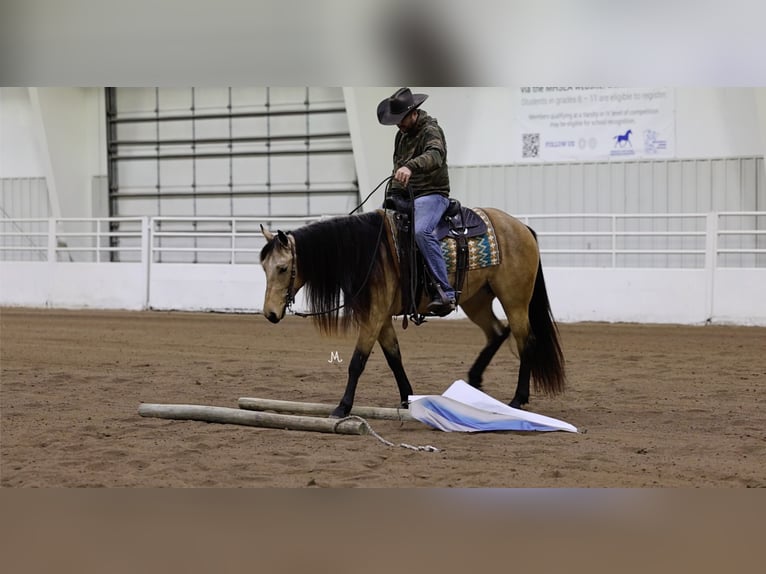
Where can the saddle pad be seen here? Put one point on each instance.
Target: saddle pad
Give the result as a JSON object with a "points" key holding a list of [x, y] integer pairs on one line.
{"points": [[482, 249]]}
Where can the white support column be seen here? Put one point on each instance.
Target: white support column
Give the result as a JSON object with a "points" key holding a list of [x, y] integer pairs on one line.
{"points": [[711, 262], [146, 257], [760, 106], [52, 240], [357, 141], [43, 149], [68, 125]]}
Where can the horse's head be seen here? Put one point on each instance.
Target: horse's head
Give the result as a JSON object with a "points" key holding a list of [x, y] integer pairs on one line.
{"points": [[279, 263]]}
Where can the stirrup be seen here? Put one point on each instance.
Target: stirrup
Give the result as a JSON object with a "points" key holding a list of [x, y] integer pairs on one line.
{"points": [[441, 307]]}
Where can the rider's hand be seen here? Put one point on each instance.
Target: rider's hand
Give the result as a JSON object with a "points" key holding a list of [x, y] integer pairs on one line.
{"points": [[403, 175]]}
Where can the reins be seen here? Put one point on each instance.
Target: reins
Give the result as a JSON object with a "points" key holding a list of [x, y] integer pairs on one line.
{"points": [[369, 195], [290, 299], [416, 317]]}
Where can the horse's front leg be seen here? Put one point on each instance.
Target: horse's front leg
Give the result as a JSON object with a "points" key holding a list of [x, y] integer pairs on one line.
{"points": [[390, 345], [364, 344]]}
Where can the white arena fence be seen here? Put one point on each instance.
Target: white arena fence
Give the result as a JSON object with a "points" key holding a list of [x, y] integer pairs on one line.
{"points": [[658, 268]]}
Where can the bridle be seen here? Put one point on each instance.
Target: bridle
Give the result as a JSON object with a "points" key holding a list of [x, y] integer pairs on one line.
{"points": [[290, 295]]}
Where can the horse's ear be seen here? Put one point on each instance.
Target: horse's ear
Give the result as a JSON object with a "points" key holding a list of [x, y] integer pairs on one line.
{"points": [[266, 233], [282, 238]]}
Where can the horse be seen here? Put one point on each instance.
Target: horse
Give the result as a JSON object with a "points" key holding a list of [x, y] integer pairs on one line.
{"points": [[351, 258], [621, 140]]}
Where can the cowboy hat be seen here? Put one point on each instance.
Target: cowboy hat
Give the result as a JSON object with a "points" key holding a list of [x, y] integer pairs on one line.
{"points": [[392, 110]]}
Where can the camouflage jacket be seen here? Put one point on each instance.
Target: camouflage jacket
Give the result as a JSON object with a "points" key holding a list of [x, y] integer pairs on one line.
{"points": [[424, 150]]}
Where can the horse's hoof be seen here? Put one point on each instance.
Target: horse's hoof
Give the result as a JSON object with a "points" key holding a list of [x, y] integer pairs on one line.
{"points": [[515, 404], [338, 413], [404, 405]]}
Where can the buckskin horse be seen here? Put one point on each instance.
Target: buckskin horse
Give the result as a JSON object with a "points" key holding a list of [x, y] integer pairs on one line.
{"points": [[349, 264]]}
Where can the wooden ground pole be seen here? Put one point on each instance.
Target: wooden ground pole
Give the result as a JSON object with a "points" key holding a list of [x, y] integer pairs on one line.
{"points": [[251, 418], [321, 409]]}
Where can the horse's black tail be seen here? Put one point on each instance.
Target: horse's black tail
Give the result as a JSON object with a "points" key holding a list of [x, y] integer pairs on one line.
{"points": [[543, 351]]}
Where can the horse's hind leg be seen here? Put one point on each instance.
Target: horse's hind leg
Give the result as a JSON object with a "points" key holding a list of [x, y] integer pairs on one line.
{"points": [[518, 321], [515, 305], [479, 310], [390, 345]]}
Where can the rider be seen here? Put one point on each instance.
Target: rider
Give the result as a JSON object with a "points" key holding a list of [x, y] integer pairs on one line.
{"points": [[420, 160]]}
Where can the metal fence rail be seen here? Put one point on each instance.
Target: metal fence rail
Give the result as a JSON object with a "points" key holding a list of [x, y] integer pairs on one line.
{"points": [[228, 240], [672, 241], [741, 239], [24, 239], [76, 240], [621, 240]]}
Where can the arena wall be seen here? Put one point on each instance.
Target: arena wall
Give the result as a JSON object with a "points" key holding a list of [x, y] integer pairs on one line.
{"points": [[677, 296]]}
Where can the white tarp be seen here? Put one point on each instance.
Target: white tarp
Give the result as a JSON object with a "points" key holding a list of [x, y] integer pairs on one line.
{"points": [[463, 408]]}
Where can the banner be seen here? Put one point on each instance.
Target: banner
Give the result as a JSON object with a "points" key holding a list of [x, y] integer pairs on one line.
{"points": [[587, 124]]}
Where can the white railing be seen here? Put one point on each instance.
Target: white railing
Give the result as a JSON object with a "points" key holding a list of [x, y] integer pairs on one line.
{"points": [[25, 239], [657, 240], [214, 239], [740, 239], [119, 239], [566, 240], [622, 240]]}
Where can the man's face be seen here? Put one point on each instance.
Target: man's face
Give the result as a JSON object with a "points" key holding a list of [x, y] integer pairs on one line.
{"points": [[408, 121]]}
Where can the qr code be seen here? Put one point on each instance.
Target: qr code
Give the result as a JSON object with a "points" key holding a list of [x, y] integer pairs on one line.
{"points": [[531, 145]]}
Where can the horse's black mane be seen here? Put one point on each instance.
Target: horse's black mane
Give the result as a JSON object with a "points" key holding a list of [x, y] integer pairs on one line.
{"points": [[334, 258]]}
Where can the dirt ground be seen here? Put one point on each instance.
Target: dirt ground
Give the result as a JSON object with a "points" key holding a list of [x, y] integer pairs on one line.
{"points": [[658, 405]]}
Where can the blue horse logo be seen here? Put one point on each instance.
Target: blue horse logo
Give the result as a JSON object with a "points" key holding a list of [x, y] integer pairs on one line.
{"points": [[621, 140]]}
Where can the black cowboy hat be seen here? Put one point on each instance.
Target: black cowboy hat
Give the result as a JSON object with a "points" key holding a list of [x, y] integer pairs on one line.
{"points": [[392, 110]]}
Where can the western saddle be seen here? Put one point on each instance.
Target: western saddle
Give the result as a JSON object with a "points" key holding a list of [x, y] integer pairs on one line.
{"points": [[458, 223]]}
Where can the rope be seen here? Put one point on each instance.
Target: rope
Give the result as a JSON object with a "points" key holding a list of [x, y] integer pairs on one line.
{"points": [[370, 430]]}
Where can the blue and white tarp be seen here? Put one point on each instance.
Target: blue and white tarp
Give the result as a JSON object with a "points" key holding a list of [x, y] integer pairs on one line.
{"points": [[463, 408]]}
